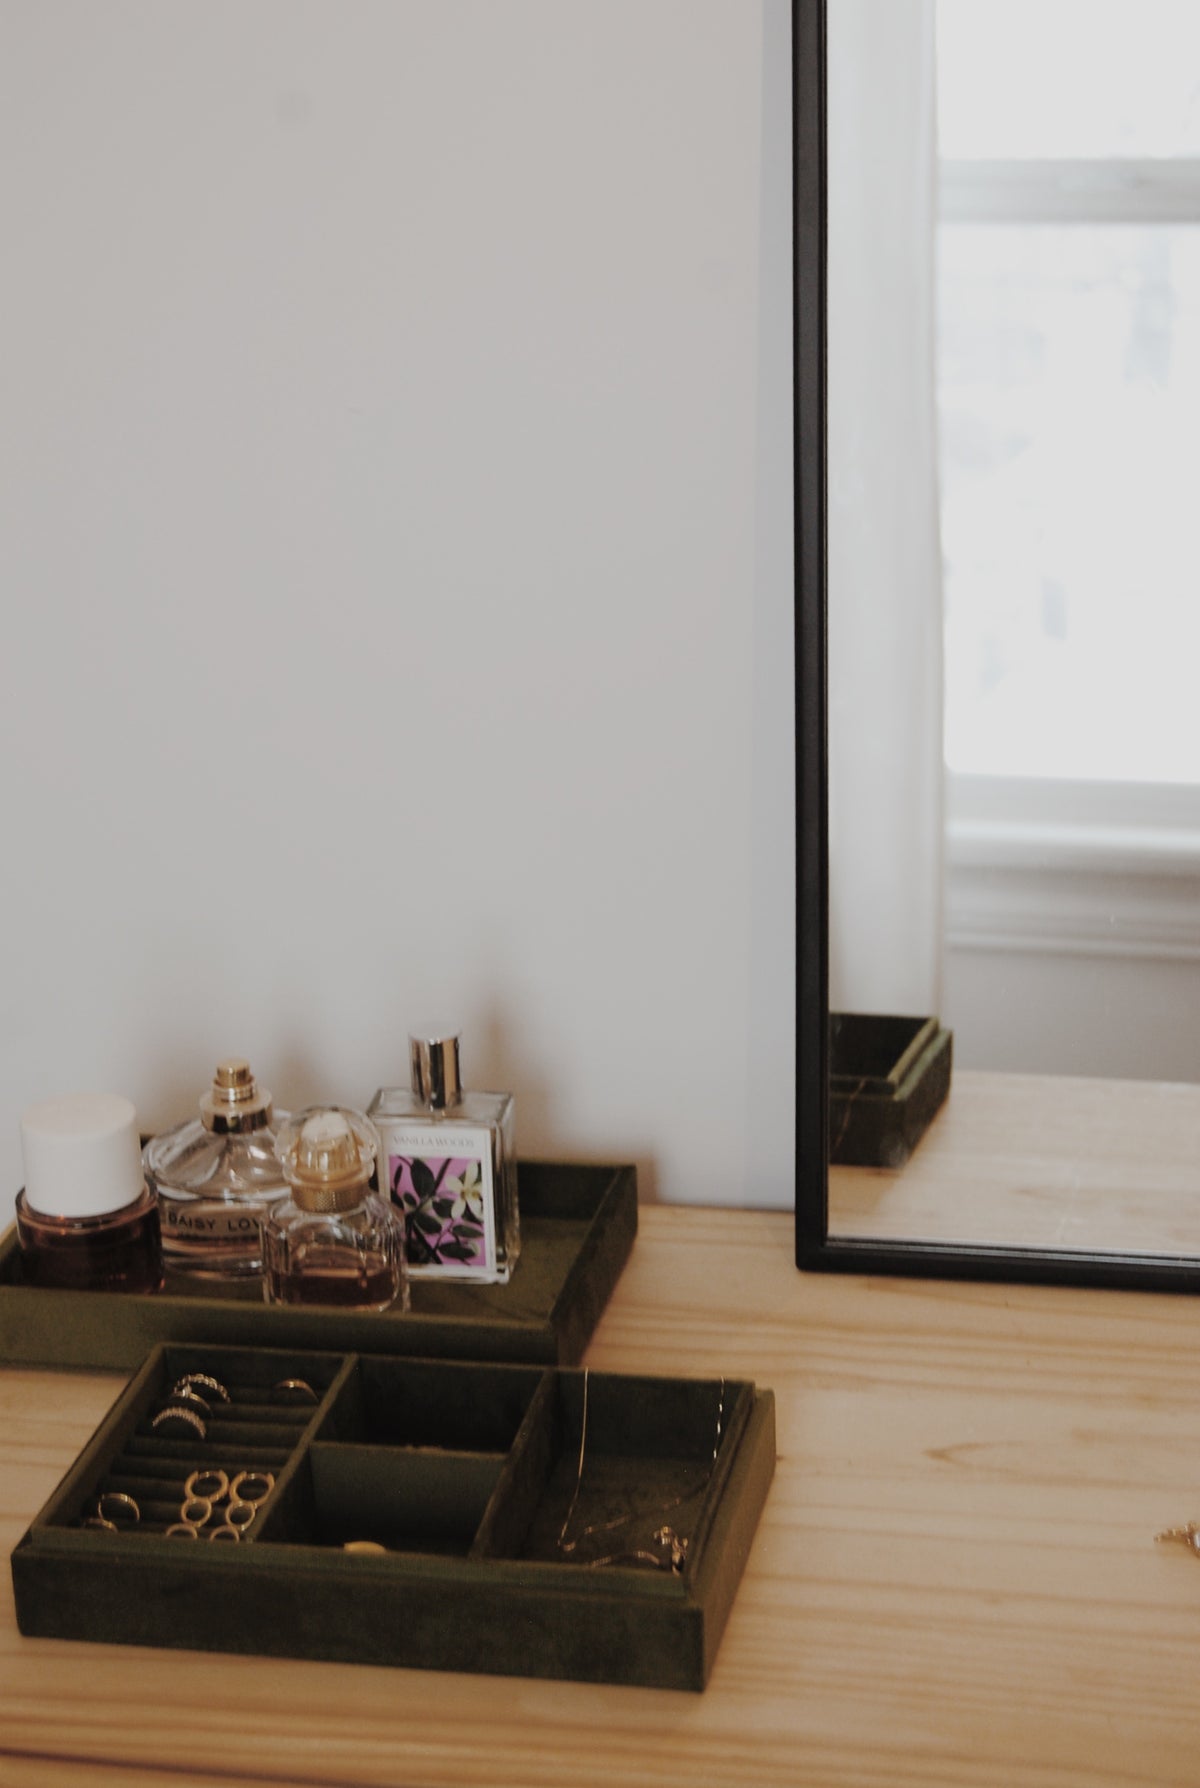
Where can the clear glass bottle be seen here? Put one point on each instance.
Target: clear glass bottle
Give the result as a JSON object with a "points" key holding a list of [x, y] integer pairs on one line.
{"points": [[216, 1177], [333, 1240], [86, 1219], [448, 1161]]}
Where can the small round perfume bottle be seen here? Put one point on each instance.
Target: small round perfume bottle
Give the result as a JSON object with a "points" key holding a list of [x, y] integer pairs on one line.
{"points": [[216, 1177], [86, 1219], [333, 1241]]}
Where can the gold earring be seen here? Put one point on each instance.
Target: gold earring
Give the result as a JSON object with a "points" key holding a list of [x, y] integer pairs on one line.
{"points": [[1188, 1535]]}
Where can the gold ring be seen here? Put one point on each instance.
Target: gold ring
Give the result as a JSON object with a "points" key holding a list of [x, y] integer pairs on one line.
{"points": [[191, 1399], [293, 1391], [363, 1546], [240, 1514], [206, 1381], [252, 1486], [114, 1504], [211, 1483], [181, 1530], [225, 1533], [99, 1521], [196, 1511], [178, 1423]]}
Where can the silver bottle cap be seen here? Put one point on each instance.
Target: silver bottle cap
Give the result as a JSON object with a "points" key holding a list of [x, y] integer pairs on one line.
{"points": [[235, 1101], [433, 1060]]}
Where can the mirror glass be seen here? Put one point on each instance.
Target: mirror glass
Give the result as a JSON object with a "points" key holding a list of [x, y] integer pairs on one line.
{"points": [[1014, 759]]}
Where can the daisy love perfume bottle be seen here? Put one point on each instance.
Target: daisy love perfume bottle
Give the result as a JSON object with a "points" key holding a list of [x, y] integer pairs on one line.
{"points": [[448, 1161], [216, 1178]]}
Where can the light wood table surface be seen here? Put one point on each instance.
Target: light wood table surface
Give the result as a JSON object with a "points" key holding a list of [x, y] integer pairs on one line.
{"points": [[1028, 1160], [955, 1581]]}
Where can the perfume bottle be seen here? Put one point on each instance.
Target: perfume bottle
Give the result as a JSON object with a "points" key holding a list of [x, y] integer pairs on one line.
{"points": [[216, 1177], [86, 1219], [333, 1240], [449, 1164]]}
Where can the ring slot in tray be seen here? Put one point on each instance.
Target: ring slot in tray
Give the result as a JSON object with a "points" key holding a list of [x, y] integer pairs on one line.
{"points": [[578, 1225], [476, 1480], [255, 1432]]}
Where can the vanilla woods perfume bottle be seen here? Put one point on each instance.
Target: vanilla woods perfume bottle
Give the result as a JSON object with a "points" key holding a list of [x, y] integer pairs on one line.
{"points": [[86, 1219], [448, 1161], [333, 1240], [216, 1177]]}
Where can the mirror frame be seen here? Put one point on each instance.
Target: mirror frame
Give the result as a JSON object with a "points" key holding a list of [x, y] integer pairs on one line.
{"points": [[809, 260], [816, 1250]]}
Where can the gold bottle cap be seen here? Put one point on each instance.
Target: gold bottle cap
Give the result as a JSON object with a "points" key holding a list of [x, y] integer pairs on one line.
{"points": [[327, 1154], [235, 1101]]}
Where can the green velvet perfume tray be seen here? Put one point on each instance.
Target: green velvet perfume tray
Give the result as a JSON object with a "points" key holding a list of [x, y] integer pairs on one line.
{"points": [[888, 1078], [517, 1505], [578, 1225]]}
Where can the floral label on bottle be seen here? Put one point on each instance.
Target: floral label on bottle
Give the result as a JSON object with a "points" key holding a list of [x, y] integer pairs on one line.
{"points": [[441, 1181]]}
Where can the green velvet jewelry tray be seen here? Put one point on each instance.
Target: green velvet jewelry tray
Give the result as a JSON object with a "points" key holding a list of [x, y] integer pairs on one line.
{"points": [[518, 1507], [578, 1225]]}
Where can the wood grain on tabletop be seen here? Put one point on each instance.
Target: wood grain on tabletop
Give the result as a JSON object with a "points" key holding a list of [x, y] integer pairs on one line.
{"points": [[955, 1581]]}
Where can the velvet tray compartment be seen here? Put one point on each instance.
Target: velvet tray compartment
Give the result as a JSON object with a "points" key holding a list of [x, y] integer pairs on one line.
{"points": [[518, 1508], [888, 1076], [578, 1225]]}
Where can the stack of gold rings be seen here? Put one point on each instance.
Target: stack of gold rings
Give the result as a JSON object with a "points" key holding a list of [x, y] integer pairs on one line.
{"points": [[188, 1409], [210, 1491], [217, 1504]]}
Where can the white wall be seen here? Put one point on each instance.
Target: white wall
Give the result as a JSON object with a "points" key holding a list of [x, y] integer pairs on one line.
{"points": [[1073, 936], [885, 617], [397, 565], [1122, 1018]]}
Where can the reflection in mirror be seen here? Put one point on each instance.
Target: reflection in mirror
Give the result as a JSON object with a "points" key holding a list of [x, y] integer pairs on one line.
{"points": [[1014, 776]]}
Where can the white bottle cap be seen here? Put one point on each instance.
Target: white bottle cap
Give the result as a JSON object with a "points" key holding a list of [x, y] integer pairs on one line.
{"points": [[82, 1155]]}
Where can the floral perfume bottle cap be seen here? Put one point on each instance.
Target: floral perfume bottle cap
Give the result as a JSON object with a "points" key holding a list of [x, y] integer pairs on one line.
{"points": [[235, 1101], [327, 1154], [433, 1061], [83, 1156]]}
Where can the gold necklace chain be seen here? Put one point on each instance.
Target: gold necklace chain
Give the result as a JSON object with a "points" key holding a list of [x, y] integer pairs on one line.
{"points": [[672, 1547]]}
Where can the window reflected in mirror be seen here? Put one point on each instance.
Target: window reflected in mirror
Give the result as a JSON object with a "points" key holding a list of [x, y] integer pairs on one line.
{"points": [[1014, 427]]}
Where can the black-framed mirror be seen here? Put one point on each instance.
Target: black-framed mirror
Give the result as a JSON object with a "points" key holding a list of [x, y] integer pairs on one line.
{"points": [[809, 197], [1025, 1173]]}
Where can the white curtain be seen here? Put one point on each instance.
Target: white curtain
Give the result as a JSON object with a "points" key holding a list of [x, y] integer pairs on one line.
{"points": [[885, 599]]}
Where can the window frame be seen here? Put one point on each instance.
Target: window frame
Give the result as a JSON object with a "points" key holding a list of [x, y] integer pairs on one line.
{"points": [[1075, 866]]}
